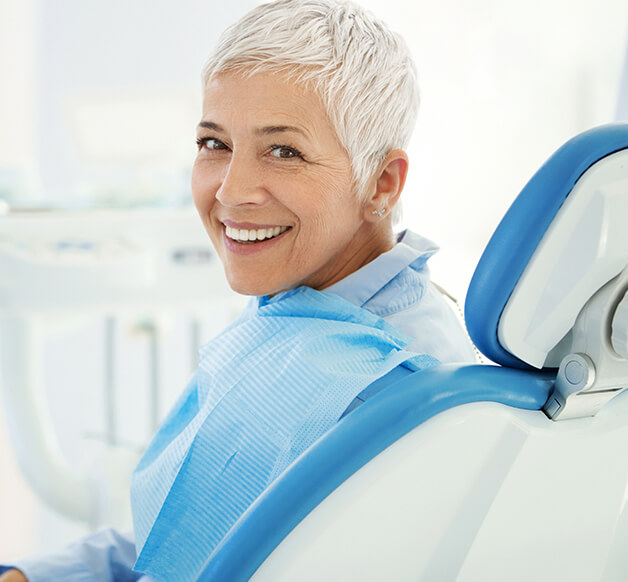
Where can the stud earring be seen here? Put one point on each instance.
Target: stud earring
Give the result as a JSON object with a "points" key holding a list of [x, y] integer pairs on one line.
{"points": [[379, 212]]}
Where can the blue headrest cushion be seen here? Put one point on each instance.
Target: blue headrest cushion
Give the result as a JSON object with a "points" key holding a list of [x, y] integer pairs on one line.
{"points": [[522, 228]]}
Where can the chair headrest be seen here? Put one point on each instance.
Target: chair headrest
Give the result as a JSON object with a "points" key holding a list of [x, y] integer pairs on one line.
{"points": [[562, 239]]}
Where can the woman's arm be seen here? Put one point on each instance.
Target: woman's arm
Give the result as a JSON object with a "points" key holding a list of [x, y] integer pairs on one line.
{"points": [[103, 556]]}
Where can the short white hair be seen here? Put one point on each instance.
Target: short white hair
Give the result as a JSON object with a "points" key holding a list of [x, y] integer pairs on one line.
{"points": [[361, 70]]}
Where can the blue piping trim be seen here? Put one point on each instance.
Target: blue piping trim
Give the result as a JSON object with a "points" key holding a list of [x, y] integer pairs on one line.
{"points": [[352, 443], [375, 387], [522, 228]]}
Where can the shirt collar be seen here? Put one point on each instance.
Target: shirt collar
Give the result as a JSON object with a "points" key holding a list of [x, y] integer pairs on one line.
{"points": [[411, 250]]}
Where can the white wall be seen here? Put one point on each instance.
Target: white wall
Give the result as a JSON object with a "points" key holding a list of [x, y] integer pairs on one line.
{"points": [[100, 98], [18, 95]]}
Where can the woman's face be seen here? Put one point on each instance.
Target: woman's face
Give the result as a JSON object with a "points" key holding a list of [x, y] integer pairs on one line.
{"points": [[273, 187]]}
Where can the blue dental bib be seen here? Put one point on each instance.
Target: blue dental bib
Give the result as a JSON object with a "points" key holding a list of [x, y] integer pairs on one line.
{"points": [[265, 389]]}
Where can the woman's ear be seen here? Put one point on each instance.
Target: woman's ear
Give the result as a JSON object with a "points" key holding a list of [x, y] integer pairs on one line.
{"points": [[389, 183]]}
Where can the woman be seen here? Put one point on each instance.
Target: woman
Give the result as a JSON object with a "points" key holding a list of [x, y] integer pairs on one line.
{"points": [[308, 105]]}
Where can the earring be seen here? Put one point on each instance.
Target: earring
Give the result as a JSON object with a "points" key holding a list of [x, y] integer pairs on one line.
{"points": [[379, 212]]}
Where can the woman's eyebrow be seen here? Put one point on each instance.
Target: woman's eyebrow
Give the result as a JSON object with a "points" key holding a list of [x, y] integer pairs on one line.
{"points": [[272, 129], [267, 130], [211, 125]]}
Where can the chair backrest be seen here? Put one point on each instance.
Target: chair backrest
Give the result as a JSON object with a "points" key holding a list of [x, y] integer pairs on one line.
{"points": [[521, 332], [550, 290]]}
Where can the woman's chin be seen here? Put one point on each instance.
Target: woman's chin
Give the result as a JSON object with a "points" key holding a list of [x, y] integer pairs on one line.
{"points": [[252, 287]]}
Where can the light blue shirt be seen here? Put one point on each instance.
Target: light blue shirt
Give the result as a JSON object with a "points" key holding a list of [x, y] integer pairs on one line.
{"points": [[396, 287]]}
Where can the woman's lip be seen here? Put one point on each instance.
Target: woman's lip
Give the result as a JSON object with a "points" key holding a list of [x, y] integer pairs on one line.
{"points": [[248, 225]]}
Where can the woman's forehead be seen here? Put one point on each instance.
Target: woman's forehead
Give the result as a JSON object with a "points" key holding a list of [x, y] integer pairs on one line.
{"points": [[264, 101]]}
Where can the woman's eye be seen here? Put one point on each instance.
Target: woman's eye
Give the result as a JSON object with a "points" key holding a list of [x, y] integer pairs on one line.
{"points": [[210, 143], [285, 152]]}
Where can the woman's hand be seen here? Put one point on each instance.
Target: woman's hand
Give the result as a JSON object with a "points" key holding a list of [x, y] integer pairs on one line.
{"points": [[13, 576]]}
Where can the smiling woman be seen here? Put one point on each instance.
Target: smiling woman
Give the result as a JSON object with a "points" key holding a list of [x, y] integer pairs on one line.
{"points": [[308, 105], [269, 158]]}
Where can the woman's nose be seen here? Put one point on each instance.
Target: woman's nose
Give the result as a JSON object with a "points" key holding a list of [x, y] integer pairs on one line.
{"points": [[241, 184]]}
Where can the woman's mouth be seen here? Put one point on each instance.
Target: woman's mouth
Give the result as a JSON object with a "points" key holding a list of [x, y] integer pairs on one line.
{"points": [[249, 236]]}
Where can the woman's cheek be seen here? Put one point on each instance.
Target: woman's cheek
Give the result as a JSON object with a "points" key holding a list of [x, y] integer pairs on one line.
{"points": [[195, 185]]}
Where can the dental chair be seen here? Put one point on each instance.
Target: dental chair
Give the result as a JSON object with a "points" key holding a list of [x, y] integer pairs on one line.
{"points": [[516, 471]]}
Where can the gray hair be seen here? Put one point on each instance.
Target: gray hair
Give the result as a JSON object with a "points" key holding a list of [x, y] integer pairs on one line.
{"points": [[361, 70]]}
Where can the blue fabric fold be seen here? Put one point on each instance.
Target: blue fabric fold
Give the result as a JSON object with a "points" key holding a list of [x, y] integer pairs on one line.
{"points": [[266, 389]]}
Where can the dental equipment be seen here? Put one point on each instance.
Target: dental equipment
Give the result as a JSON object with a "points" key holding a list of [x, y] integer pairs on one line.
{"points": [[60, 266]]}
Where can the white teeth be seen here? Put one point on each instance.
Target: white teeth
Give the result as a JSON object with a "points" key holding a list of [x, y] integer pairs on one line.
{"points": [[243, 235]]}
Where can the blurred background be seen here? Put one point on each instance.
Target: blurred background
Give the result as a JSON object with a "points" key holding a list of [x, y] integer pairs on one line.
{"points": [[98, 106]]}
